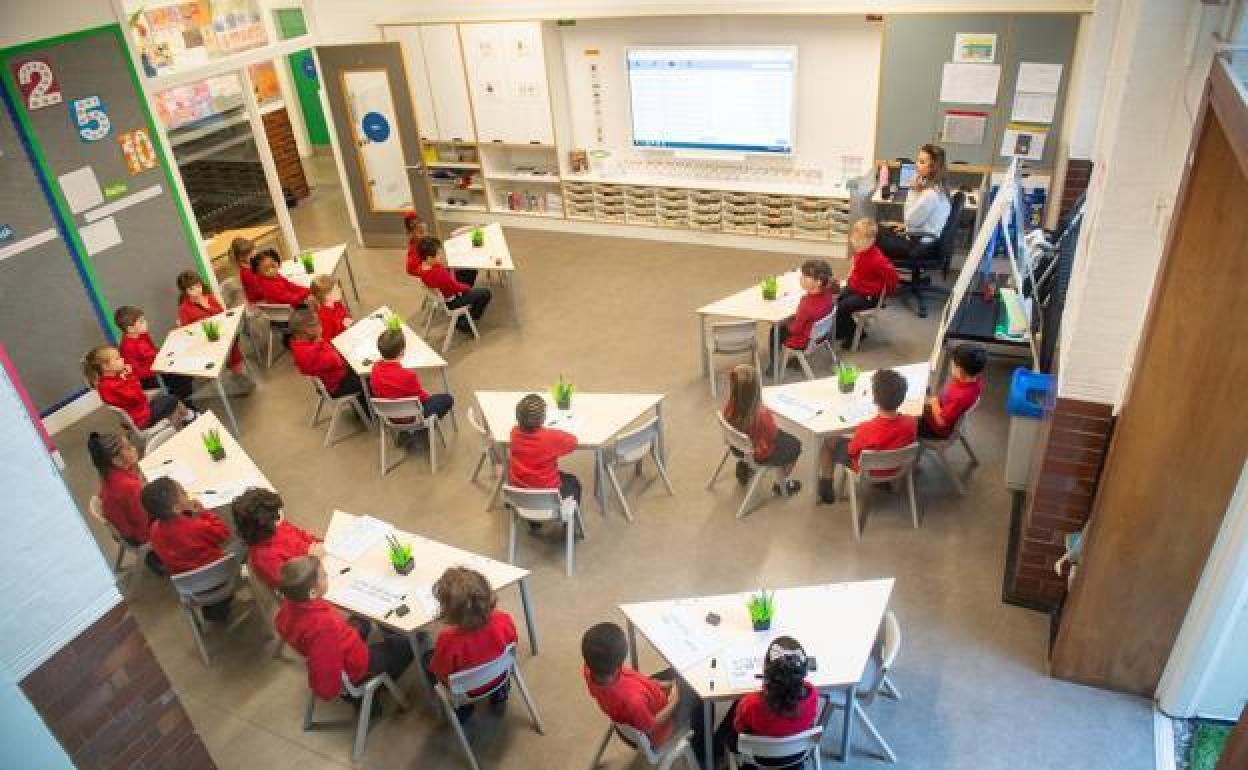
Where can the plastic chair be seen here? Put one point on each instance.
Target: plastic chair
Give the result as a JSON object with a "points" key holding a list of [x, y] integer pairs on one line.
{"points": [[232, 295], [863, 319], [145, 439], [212, 583], [676, 747], [752, 748], [455, 693], [736, 440], [820, 337], [336, 405], [632, 449], [436, 302], [879, 466], [399, 416], [489, 452], [730, 338], [273, 315], [544, 505], [942, 445], [268, 601], [366, 691], [96, 508], [877, 683]]}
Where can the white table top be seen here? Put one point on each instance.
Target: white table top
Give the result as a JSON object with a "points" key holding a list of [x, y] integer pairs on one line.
{"points": [[431, 558], [595, 418], [749, 303], [326, 262], [358, 344], [839, 412], [184, 458], [187, 351], [837, 623], [493, 255]]}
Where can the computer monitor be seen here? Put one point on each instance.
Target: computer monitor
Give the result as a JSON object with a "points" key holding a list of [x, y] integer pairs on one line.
{"points": [[905, 178]]}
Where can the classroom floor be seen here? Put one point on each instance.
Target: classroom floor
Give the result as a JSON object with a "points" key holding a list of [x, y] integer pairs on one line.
{"points": [[617, 315]]}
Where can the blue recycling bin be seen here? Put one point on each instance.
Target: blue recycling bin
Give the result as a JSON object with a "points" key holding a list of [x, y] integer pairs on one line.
{"points": [[1030, 394]]}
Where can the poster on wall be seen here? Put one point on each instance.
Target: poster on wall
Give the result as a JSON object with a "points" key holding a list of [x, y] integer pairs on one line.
{"points": [[969, 83], [974, 48]]}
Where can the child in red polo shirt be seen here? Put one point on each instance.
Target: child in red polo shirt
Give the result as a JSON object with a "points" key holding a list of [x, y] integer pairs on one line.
{"points": [[139, 352], [330, 645], [787, 704], [887, 430], [241, 252], [326, 297], [535, 451], [271, 539], [941, 414], [654, 705], [390, 380], [456, 288], [476, 633], [415, 228], [819, 299], [184, 535], [117, 462], [315, 357], [195, 304], [273, 287], [117, 386], [872, 274], [772, 447]]}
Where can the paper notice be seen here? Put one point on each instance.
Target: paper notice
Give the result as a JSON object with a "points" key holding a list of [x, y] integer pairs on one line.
{"points": [[1038, 78], [1023, 142], [964, 128], [81, 189], [1033, 107], [974, 48], [969, 83], [99, 236]]}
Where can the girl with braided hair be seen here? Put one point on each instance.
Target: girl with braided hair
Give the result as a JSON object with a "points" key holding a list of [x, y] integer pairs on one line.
{"points": [[786, 705]]}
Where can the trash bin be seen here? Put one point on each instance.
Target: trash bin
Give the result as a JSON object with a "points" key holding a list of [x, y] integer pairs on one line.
{"points": [[1030, 394]]}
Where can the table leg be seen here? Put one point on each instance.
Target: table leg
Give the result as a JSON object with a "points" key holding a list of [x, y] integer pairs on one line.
{"points": [[706, 363], [708, 735], [225, 401], [816, 455], [658, 412], [446, 385], [600, 481], [777, 356], [346, 256], [515, 298], [850, 694], [527, 603], [632, 644]]}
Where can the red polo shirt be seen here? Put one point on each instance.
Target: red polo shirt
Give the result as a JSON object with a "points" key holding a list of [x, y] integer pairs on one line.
{"points": [[126, 393], [810, 308], [413, 260], [277, 290], [317, 358], [390, 380], [288, 542], [535, 456], [632, 699], [762, 432], [191, 312], [184, 543], [459, 650], [436, 276], [955, 399], [333, 319], [251, 283], [140, 353], [756, 718], [327, 643], [119, 498], [872, 273], [882, 432]]}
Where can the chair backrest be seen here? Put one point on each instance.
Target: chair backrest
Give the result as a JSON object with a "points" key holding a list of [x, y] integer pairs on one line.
{"points": [[319, 386], [820, 331], [887, 645], [735, 438], [208, 584], [95, 507], [462, 682], [638, 740], [885, 464], [945, 242], [957, 426], [157, 437], [733, 336], [126, 423], [634, 445], [232, 292], [399, 412], [755, 747], [534, 504], [274, 312], [478, 424]]}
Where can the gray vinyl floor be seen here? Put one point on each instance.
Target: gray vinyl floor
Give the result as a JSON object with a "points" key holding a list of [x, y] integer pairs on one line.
{"points": [[617, 315]]}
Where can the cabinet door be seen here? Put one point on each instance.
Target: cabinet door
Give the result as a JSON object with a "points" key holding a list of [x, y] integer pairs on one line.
{"points": [[445, 61], [417, 77], [507, 79]]}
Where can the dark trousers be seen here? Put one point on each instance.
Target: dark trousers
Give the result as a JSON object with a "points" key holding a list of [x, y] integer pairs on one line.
{"points": [[351, 385], [178, 384], [392, 655], [439, 404], [896, 245], [570, 486], [161, 406], [476, 299], [465, 275], [849, 303], [726, 740]]}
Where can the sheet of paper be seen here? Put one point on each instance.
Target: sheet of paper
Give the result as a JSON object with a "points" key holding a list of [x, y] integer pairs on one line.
{"points": [[224, 493], [564, 421], [364, 350], [682, 639], [1039, 78], [916, 380], [743, 662], [412, 359], [81, 189], [192, 363], [423, 597], [964, 128], [795, 408], [858, 410], [1033, 107], [1025, 143], [970, 83], [99, 236], [176, 343], [176, 470], [352, 542], [366, 594], [974, 48]]}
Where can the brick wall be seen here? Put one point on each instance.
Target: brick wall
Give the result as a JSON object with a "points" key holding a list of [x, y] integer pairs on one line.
{"points": [[1078, 174], [107, 700], [1070, 454]]}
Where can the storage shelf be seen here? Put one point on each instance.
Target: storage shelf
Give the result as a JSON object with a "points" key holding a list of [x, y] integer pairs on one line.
{"points": [[533, 178], [454, 185], [453, 164], [520, 212], [448, 207]]}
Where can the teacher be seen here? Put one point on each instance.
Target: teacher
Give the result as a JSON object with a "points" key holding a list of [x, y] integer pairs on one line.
{"points": [[927, 208]]}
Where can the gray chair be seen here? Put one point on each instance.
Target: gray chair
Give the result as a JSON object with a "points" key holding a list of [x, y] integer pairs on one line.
{"points": [[210, 584], [491, 453], [676, 747], [820, 337], [436, 303], [876, 683], [96, 508], [144, 439], [366, 692], [939, 446], [731, 338], [232, 295], [632, 449], [544, 505], [893, 466], [456, 692], [753, 748], [336, 406], [399, 416], [273, 315], [865, 318], [744, 451]]}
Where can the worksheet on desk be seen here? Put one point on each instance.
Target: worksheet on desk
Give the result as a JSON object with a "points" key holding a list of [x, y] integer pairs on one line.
{"points": [[682, 639], [353, 541]]}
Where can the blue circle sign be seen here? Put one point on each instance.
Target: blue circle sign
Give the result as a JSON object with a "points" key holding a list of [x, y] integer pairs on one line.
{"points": [[376, 127], [308, 65]]}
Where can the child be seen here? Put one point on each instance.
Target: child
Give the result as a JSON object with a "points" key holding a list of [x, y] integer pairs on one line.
{"points": [[315, 357], [786, 705], [271, 539], [272, 287], [390, 380], [457, 292], [416, 230], [113, 379], [183, 535], [536, 449], [772, 447], [476, 632], [195, 305], [241, 252], [941, 414], [654, 705], [117, 462], [887, 430], [329, 644], [871, 275], [818, 300], [326, 297], [139, 353]]}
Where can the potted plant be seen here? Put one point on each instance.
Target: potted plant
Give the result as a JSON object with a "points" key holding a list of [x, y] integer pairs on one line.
{"points": [[478, 238], [393, 323], [846, 377], [762, 607], [561, 392], [212, 442], [309, 264], [771, 287], [212, 330], [400, 555]]}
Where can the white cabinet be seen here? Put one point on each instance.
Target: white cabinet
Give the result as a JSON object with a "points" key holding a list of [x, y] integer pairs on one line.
{"points": [[507, 79], [435, 68], [417, 76]]}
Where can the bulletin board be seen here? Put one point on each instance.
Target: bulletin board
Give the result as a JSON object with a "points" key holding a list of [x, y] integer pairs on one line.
{"points": [[79, 108], [916, 48]]}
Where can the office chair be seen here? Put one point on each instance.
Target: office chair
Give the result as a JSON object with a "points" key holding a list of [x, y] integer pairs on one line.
{"points": [[932, 253]]}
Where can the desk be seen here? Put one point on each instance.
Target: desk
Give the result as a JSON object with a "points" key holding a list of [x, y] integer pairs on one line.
{"points": [[189, 352], [819, 409], [492, 255], [218, 246], [837, 623], [595, 419], [358, 345], [326, 262], [748, 304], [214, 483]]}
